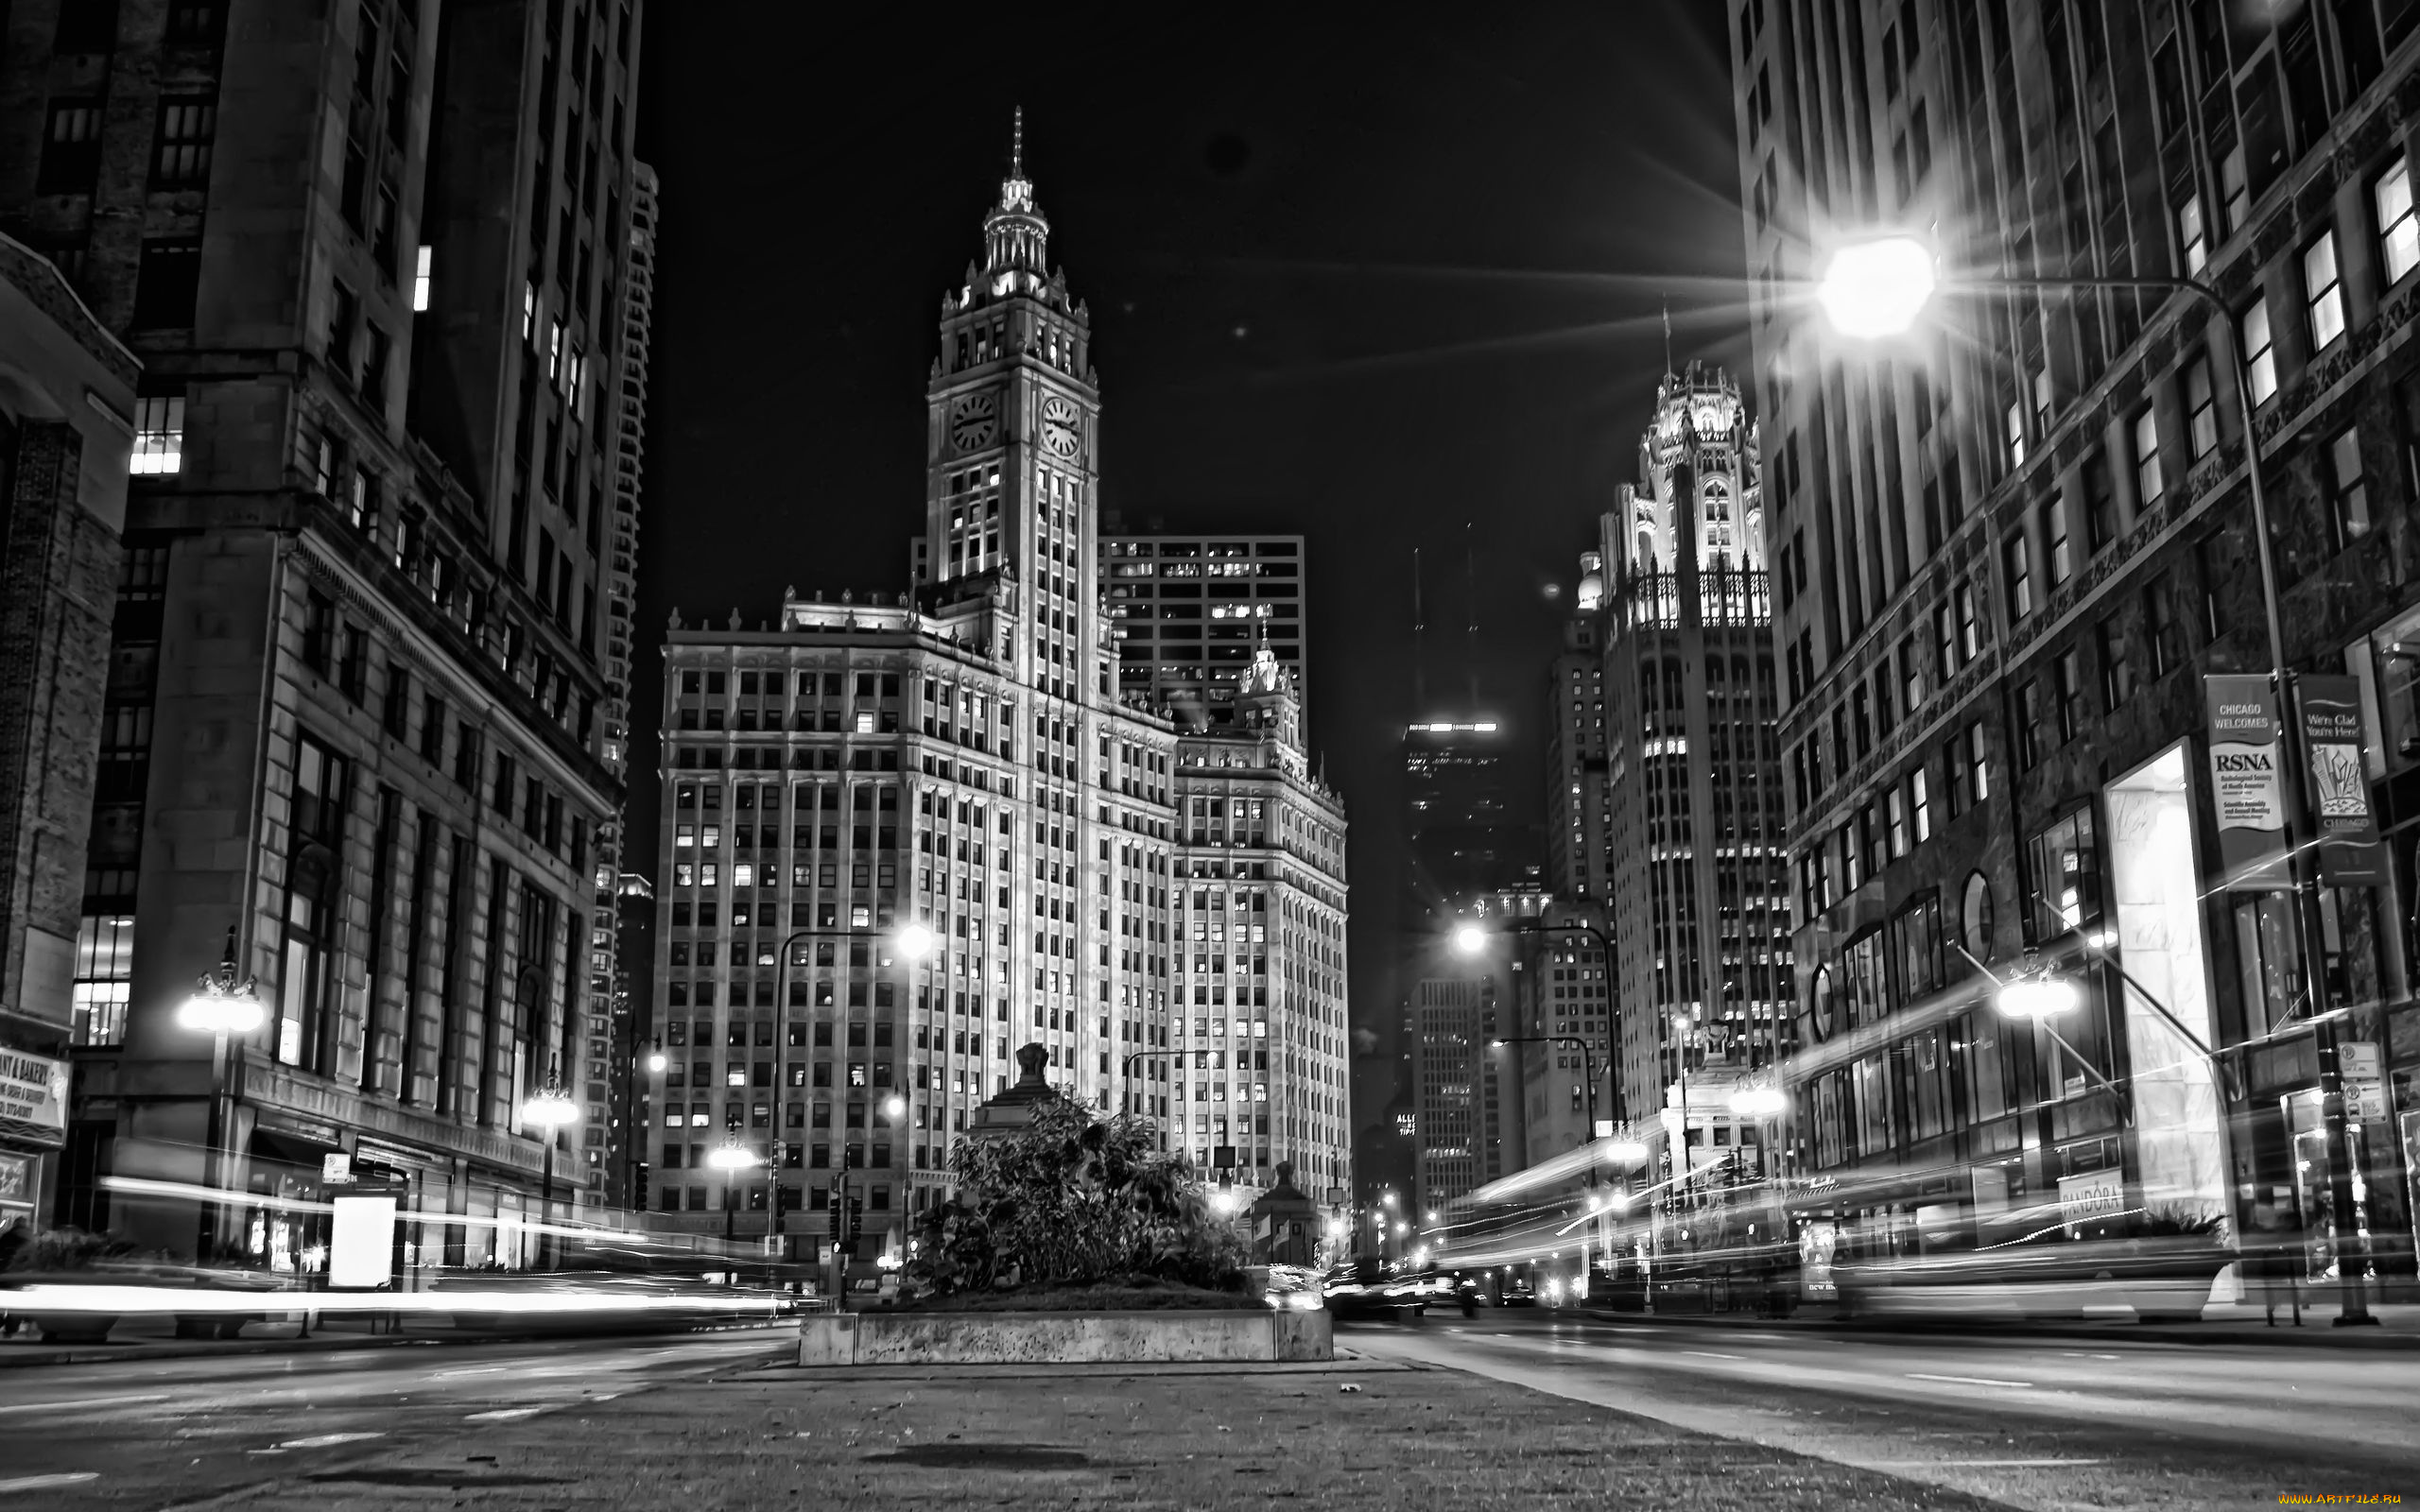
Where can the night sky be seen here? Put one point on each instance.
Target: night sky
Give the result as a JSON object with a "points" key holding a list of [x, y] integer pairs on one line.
{"points": [[1352, 274]]}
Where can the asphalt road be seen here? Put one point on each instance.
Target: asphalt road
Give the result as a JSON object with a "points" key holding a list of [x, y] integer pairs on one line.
{"points": [[210, 1432], [2052, 1423]]}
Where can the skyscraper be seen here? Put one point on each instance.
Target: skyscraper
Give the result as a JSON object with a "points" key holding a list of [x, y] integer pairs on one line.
{"points": [[372, 257], [2015, 548], [1698, 899], [1163, 911], [1189, 610]]}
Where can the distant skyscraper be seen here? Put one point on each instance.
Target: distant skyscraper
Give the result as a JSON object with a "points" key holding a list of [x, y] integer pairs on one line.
{"points": [[1577, 792], [1188, 610], [373, 256], [1697, 890]]}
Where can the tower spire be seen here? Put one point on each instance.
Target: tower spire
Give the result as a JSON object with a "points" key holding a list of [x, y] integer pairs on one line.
{"points": [[1016, 145]]}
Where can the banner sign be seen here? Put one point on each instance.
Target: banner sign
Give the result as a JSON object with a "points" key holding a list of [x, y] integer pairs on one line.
{"points": [[33, 1091], [2246, 789], [2333, 735]]}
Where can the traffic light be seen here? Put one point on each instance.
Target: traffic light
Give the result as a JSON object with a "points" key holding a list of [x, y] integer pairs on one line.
{"points": [[832, 1207], [857, 1217]]}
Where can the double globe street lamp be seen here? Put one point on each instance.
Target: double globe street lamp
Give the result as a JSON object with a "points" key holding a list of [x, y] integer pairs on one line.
{"points": [[1879, 288], [222, 1005], [547, 1111]]}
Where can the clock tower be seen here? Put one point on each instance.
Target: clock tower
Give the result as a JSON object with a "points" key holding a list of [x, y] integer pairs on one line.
{"points": [[1012, 471]]}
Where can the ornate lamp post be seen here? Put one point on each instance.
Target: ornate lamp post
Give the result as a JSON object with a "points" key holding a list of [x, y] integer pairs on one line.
{"points": [[547, 1111], [221, 1006]]}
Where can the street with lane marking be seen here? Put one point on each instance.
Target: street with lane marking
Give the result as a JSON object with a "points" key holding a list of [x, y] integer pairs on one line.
{"points": [[2030, 1423]]}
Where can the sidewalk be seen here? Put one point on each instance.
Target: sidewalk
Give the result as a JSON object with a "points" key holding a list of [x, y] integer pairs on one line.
{"points": [[1343, 1439], [2397, 1326]]}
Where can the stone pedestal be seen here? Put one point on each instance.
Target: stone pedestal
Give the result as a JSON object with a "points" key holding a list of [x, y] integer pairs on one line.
{"points": [[1286, 1223], [1012, 1111]]}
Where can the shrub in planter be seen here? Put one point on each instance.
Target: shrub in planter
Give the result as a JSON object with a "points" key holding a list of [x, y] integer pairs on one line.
{"points": [[1070, 1200]]}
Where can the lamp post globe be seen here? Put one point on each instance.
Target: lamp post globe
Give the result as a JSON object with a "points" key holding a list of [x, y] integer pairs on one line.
{"points": [[1876, 287], [914, 942], [1470, 939]]}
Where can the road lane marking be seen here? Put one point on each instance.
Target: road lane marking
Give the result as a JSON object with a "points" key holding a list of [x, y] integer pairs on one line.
{"points": [[1709, 1354], [1978, 1463], [328, 1440], [84, 1401], [1968, 1380], [503, 1415], [44, 1483]]}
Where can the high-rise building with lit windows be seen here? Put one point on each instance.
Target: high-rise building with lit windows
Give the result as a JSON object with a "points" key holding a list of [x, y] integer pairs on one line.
{"points": [[373, 256], [2013, 544], [1697, 898], [1161, 908], [1189, 610]]}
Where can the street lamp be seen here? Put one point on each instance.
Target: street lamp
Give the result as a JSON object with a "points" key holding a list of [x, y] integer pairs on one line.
{"points": [[1588, 1069], [1857, 291], [1472, 939], [655, 1061], [548, 1111], [731, 1157], [221, 1006], [912, 943]]}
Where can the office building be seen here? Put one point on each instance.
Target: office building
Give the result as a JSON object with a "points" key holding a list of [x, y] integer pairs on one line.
{"points": [[372, 256], [1698, 901], [1189, 610], [1576, 787], [66, 432], [2011, 547], [1161, 909]]}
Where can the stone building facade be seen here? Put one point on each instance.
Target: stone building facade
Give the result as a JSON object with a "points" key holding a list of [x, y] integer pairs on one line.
{"points": [[66, 430], [372, 257]]}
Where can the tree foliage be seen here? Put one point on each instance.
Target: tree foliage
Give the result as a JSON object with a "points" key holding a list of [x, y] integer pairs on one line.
{"points": [[1072, 1199]]}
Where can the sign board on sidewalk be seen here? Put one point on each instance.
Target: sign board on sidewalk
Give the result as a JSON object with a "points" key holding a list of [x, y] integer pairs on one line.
{"points": [[2092, 1194], [361, 1239]]}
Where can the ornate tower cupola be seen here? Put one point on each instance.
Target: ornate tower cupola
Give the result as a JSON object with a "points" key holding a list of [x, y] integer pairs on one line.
{"points": [[1015, 237], [1267, 704]]}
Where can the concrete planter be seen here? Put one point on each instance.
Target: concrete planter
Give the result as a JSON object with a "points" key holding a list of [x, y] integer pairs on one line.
{"points": [[1062, 1339]]}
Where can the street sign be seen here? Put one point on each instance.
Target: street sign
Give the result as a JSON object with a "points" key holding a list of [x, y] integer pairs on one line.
{"points": [[336, 1170]]}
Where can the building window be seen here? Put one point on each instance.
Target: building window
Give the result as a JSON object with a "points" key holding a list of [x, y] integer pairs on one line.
{"points": [[2066, 871], [2348, 494], [104, 977], [2322, 291], [2200, 408], [2068, 672], [1920, 802], [2149, 486], [159, 436], [71, 153], [166, 283], [2099, 503], [2020, 578], [2054, 536], [2159, 617], [2029, 723], [181, 147], [2116, 667], [1970, 625], [310, 912], [2192, 235], [2398, 230], [2259, 351], [2015, 430], [423, 262]]}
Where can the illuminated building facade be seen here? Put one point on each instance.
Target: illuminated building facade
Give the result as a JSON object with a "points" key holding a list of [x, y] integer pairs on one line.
{"points": [[2010, 545], [1162, 909], [1698, 896], [1189, 611]]}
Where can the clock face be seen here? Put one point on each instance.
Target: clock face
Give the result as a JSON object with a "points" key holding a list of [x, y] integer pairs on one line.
{"points": [[974, 421], [1058, 427]]}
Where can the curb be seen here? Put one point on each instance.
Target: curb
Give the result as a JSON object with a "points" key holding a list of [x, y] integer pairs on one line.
{"points": [[2311, 1336], [31, 1358], [838, 1375]]}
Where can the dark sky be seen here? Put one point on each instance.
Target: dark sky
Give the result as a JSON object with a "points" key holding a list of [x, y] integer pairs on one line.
{"points": [[1352, 273]]}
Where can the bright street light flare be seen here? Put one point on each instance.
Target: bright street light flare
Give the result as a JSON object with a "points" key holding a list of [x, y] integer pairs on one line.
{"points": [[1470, 939], [1878, 287], [2037, 997]]}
